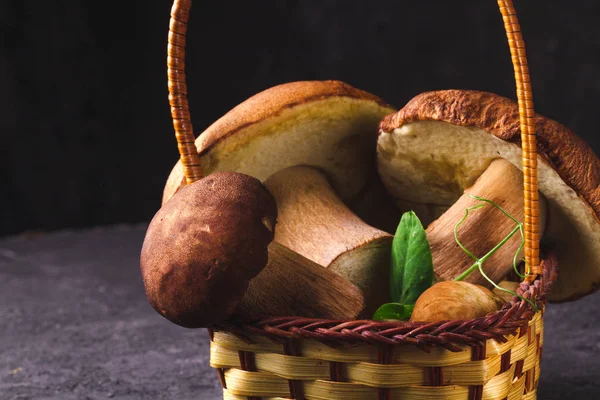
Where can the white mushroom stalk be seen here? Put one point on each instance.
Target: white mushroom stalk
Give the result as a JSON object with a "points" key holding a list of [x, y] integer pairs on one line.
{"points": [[484, 229], [313, 221]]}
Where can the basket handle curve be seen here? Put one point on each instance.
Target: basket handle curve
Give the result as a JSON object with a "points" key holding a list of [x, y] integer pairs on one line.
{"points": [[191, 160], [528, 138], [178, 99]]}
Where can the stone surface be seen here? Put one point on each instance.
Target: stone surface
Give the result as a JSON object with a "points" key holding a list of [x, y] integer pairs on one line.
{"points": [[75, 324]]}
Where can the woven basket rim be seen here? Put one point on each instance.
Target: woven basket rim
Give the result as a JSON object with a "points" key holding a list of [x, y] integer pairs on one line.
{"points": [[447, 334]]}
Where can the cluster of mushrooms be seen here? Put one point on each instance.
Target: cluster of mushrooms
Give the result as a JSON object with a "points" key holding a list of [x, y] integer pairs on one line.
{"points": [[306, 180]]}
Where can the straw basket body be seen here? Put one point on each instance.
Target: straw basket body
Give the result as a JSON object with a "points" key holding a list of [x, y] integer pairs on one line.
{"points": [[312, 369], [495, 357]]}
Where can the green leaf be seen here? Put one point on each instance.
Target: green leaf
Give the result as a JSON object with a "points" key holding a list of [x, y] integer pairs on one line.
{"points": [[393, 311], [412, 264]]}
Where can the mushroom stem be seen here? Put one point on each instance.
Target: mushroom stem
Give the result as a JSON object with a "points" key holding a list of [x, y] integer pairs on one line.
{"points": [[291, 284], [501, 183], [314, 222]]}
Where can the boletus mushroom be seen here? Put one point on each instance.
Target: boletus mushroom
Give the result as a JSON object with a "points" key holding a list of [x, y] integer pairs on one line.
{"points": [[328, 125], [203, 246], [441, 142], [206, 256], [330, 128], [455, 300]]}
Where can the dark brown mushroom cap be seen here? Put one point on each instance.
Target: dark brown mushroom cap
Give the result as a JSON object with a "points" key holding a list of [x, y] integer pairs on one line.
{"points": [[560, 147], [204, 245], [440, 143]]}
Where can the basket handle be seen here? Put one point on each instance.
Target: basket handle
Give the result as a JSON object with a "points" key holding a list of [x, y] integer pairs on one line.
{"points": [[528, 138], [191, 160], [178, 99]]}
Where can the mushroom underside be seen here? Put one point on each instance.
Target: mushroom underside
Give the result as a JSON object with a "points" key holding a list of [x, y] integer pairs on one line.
{"points": [[426, 165], [336, 134]]}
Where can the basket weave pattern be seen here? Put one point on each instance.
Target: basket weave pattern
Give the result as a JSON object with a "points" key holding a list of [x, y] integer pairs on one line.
{"points": [[495, 357], [491, 369]]}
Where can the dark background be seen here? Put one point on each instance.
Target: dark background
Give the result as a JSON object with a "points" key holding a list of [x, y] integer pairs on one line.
{"points": [[86, 132]]}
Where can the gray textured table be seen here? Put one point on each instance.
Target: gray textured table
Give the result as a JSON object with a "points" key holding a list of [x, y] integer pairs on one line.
{"points": [[75, 324]]}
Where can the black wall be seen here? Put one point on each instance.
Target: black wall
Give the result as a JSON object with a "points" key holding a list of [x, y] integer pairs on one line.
{"points": [[86, 137]]}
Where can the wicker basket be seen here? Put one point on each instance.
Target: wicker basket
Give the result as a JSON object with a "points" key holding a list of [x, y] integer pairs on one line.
{"points": [[495, 357]]}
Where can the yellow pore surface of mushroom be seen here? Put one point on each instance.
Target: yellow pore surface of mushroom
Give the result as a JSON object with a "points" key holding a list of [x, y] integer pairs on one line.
{"points": [[455, 300]]}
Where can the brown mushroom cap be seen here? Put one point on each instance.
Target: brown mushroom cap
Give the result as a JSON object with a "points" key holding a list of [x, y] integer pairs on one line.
{"points": [[441, 142], [204, 245], [455, 300], [326, 124]]}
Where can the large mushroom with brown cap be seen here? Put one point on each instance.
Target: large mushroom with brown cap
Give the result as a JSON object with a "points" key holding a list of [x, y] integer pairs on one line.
{"points": [[208, 254], [314, 145], [442, 143], [329, 125]]}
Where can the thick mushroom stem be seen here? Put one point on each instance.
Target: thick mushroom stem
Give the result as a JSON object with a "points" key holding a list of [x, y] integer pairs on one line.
{"points": [[313, 221], [291, 284], [484, 228]]}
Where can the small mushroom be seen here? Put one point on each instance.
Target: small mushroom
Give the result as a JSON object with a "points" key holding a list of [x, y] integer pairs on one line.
{"points": [[441, 142], [455, 300], [208, 255], [314, 222]]}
